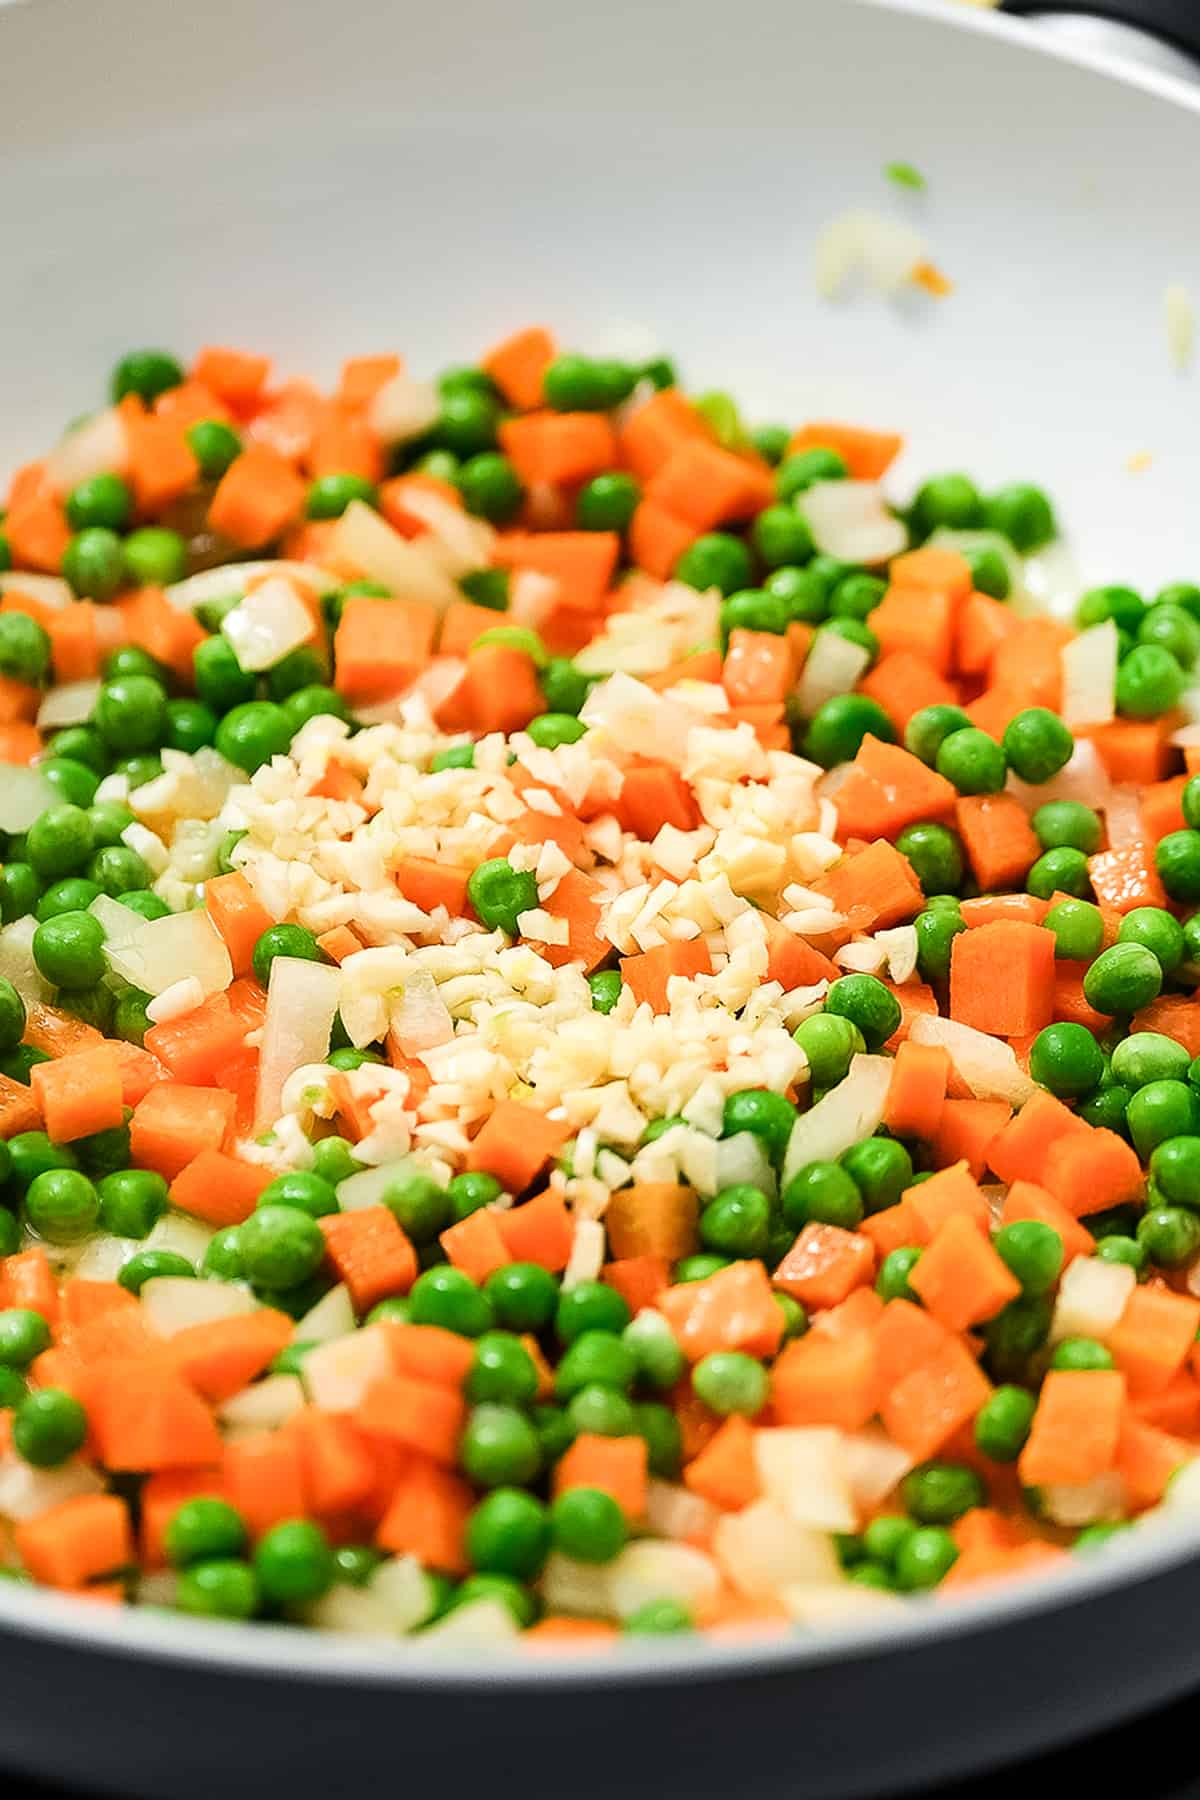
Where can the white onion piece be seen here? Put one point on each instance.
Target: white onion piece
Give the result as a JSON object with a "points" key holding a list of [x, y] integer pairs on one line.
{"points": [[103, 1258], [1123, 818], [332, 1317], [1183, 1490], [48, 590], [267, 624], [638, 720], [851, 1111], [675, 1512], [404, 1591], [874, 1465], [763, 1551], [17, 964], [302, 998], [264, 1406], [1089, 676], [24, 796], [658, 1570], [160, 1587], [987, 1065], [167, 950], [850, 520], [587, 1253], [337, 1375], [100, 446], [803, 1472], [25, 1491], [71, 704], [476, 1626], [574, 1587], [832, 666], [354, 1612], [742, 1158], [403, 408], [1083, 778], [366, 541], [531, 595], [1052, 580], [228, 581], [120, 923], [900, 947], [181, 1233], [1179, 311], [460, 542], [368, 1187], [883, 249], [419, 1018], [1074, 1504], [172, 1303], [1091, 1298], [826, 1608], [176, 1002]]}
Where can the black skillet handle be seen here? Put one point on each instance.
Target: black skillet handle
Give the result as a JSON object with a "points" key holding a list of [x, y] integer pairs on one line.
{"points": [[1173, 22]]}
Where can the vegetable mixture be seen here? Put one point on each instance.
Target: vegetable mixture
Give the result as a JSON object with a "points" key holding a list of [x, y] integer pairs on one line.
{"points": [[597, 1022]]}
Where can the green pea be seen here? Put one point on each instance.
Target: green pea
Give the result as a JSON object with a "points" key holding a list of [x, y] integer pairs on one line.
{"points": [[1016, 1333], [1149, 682], [69, 950], [154, 557], [925, 1559], [754, 609], [588, 1525], [502, 1370], [447, 1297], [867, 1003], [881, 1169], [1147, 1056], [658, 1360], [564, 687], [699, 1267], [284, 940], [767, 1115], [202, 1528], [59, 841], [715, 560], [1170, 1235], [802, 591], [500, 894], [822, 1193], [1122, 605], [223, 1588], [1059, 871], [839, 725], [1177, 859], [12, 1016], [131, 714], [972, 762], [24, 1334], [1159, 931], [1126, 1250], [854, 632], [1003, 1423], [1162, 1110], [1123, 979], [938, 1493], [490, 487], [857, 595], [99, 500], [950, 502], [1037, 744], [1081, 1354], [1023, 514], [735, 1223], [936, 855], [24, 648], [1067, 1060], [936, 931], [281, 1246], [729, 1382], [146, 373], [48, 1426], [781, 537], [500, 1447], [1172, 628], [214, 445], [294, 1563], [80, 743], [589, 1306], [221, 682], [771, 442], [1033, 1252], [574, 383], [607, 502], [131, 1201], [830, 1042], [1078, 929], [891, 1283], [108, 819], [1181, 593], [805, 468], [550, 730], [251, 734], [93, 563], [989, 571], [72, 781], [509, 1534]]}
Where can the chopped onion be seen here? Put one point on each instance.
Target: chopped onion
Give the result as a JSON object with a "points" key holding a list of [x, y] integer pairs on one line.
{"points": [[1180, 313], [1089, 676], [419, 1018], [229, 580], [829, 1607], [654, 1570], [640, 721], [403, 408], [159, 1587], [71, 704], [176, 1002], [25, 1491], [405, 1592], [264, 1406], [576, 1587], [802, 1471], [100, 446], [164, 951], [17, 964], [338, 1374], [587, 1253], [987, 1065], [832, 667], [48, 590], [179, 1232], [1183, 1489], [268, 624], [900, 947], [531, 595], [103, 1258], [353, 1611], [24, 796], [332, 1317], [763, 1551], [743, 1158], [851, 1111], [302, 999], [885, 250], [1091, 1298], [366, 541], [368, 1187], [120, 923], [1083, 778], [1101, 1500], [874, 1465], [675, 1512], [850, 520], [461, 543], [173, 1303], [475, 1626]]}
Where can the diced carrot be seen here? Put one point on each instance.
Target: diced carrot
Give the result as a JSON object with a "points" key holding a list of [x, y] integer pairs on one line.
{"points": [[339, 943], [983, 625], [638, 1279], [559, 446], [462, 623], [791, 960], [1153, 1338], [918, 621], [648, 973], [1089, 1171], [577, 900], [652, 1218], [1177, 1016], [655, 430], [218, 1188], [934, 1399], [20, 743], [19, 1109], [554, 1636], [1022, 1148], [581, 562], [162, 464], [654, 795], [336, 1461], [27, 1280], [887, 789], [400, 502], [261, 1476], [256, 498], [952, 1193], [380, 646], [429, 1353], [73, 1542], [146, 1417], [515, 1144], [1137, 751], [731, 1310], [1002, 978], [424, 1416], [1026, 1200], [174, 1123], [363, 376], [74, 645], [903, 683], [758, 667], [906, 1337], [538, 1231], [429, 884], [892, 1229], [657, 539], [371, 1254], [960, 1279], [879, 881], [917, 1000], [1174, 1408], [82, 1301], [500, 689], [725, 1470], [824, 1380], [1076, 1428], [80, 1093], [154, 625], [967, 1130], [708, 486], [38, 533], [239, 917], [1071, 1003], [189, 404], [220, 1358], [197, 1045], [1161, 808], [615, 1465], [1126, 878], [344, 444], [427, 1517], [519, 363], [868, 455], [917, 1090], [1146, 1459], [1000, 842], [235, 376], [475, 1245], [160, 1499], [824, 1264], [933, 569]]}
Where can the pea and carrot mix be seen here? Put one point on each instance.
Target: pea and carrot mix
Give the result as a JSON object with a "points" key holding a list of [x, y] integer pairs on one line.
{"points": [[596, 1020]]}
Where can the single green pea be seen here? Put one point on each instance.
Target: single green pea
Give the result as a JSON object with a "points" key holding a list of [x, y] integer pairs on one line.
{"points": [[72, 781], [103, 500], [805, 468], [221, 682], [508, 1533], [857, 595], [48, 1426], [490, 487], [1149, 682], [154, 556], [1175, 1169], [500, 1447], [251, 734], [502, 1370], [1033, 1252], [589, 1306], [588, 1525], [1066, 1059], [1015, 1334], [1037, 744], [59, 841], [936, 854], [768, 1116], [939, 1493], [803, 592], [1123, 979], [1023, 514], [989, 571], [1159, 931], [822, 1193], [754, 609], [1078, 929], [607, 502], [146, 373], [1172, 628], [203, 1528], [81, 743], [1162, 1110], [699, 1267], [294, 1563], [283, 940], [716, 560], [736, 1222], [215, 445], [69, 950], [500, 894], [1177, 859], [1147, 1056], [12, 1016], [830, 1042], [771, 442], [280, 1246], [108, 819], [781, 537], [658, 1360], [564, 687], [1003, 1423], [1061, 871], [936, 931], [881, 1169], [972, 762], [839, 725], [950, 502], [867, 1003], [24, 648], [1080, 1354], [93, 563], [131, 1202], [31, 1153], [728, 1381], [1122, 605], [891, 1283], [1126, 1250], [23, 1335], [131, 714], [448, 1297], [1170, 1235], [550, 730]]}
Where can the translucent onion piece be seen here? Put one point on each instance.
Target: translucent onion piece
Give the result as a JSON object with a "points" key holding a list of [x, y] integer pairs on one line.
{"points": [[832, 667], [403, 408], [229, 581], [851, 1111], [168, 950], [1089, 676], [850, 520], [267, 625], [71, 704], [24, 796], [97, 447], [172, 1303], [302, 998], [366, 541], [988, 1065]]}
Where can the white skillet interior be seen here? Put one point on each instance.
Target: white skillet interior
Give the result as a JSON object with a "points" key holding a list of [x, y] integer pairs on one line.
{"points": [[320, 180]]}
